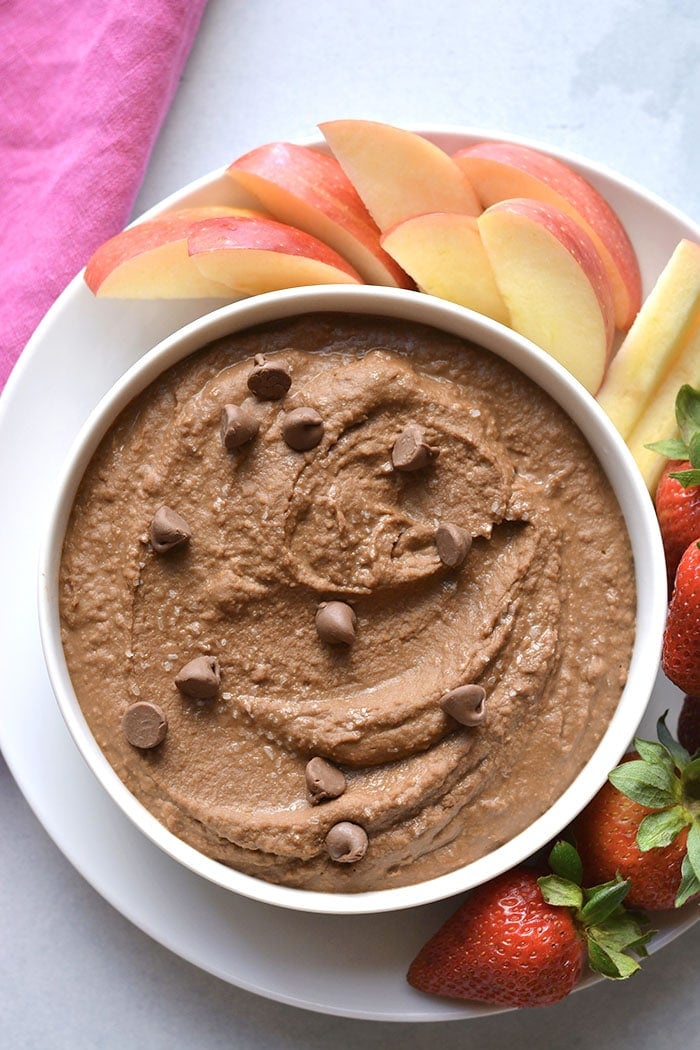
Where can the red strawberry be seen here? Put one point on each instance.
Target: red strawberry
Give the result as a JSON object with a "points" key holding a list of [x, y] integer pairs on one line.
{"points": [[689, 724], [606, 838], [678, 511], [504, 945], [521, 940], [678, 492], [680, 658], [642, 825]]}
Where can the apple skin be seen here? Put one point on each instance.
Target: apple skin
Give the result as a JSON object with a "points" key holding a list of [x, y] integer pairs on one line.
{"points": [[554, 284], [308, 189], [397, 173], [150, 260], [252, 255], [444, 254], [502, 170]]}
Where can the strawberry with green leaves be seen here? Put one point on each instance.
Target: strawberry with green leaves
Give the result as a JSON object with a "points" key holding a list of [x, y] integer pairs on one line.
{"points": [[524, 939], [677, 497], [644, 824], [678, 512]]}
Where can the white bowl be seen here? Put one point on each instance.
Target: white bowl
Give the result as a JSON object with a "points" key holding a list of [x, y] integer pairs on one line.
{"points": [[617, 463]]}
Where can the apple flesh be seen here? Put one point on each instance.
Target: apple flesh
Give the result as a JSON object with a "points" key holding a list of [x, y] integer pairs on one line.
{"points": [[444, 254], [150, 260], [655, 341], [658, 355], [252, 255], [659, 420], [397, 173], [553, 283], [501, 170], [308, 189]]}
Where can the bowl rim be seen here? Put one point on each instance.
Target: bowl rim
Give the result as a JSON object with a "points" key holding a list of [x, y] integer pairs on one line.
{"points": [[615, 459]]}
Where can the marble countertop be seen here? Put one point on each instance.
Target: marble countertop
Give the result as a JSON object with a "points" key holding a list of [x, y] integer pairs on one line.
{"points": [[617, 81]]}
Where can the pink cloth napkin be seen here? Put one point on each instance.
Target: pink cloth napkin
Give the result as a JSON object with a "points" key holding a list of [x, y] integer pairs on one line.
{"points": [[84, 88]]}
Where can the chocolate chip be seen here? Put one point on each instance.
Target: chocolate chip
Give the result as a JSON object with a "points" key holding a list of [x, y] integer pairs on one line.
{"points": [[323, 780], [465, 704], [411, 450], [200, 678], [335, 623], [238, 425], [346, 843], [452, 544], [302, 429], [269, 380], [144, 724], [168, 530]]}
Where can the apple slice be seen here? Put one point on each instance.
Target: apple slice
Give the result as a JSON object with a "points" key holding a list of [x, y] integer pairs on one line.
{"points": [[253, 255], [397, 173], [657, 339], [444, 254], [149, 260], [554, 284], [659, 354], [659, 420], [308, 189], [502, 170]]}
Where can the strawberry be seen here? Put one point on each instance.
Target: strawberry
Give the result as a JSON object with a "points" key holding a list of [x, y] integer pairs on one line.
{"points": [[689, 724], [680, 657], [523, 940], [644, 825], [606, 836], [678, 511], [677, 497]]}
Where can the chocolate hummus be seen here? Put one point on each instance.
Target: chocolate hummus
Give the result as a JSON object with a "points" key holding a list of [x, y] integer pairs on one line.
{"points": [[346, 601]]}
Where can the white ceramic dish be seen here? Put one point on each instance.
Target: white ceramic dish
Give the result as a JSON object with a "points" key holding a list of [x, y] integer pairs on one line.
{"points": [[612, 453], [280, 954]]}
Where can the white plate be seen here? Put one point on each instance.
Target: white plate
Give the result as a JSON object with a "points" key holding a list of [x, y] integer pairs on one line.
{"points": [[349, 966]]}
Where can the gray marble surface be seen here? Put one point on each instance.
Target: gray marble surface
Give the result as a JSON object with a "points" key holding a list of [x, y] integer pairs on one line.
{"points": [[617, 81]]}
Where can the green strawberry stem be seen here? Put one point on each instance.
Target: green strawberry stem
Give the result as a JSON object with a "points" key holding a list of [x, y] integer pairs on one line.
{"points": [[687, 446], [611, 932], [666, 779]]}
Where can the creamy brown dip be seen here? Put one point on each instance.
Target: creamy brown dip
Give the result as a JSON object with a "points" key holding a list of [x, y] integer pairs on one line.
{"points": [[540, 612]]}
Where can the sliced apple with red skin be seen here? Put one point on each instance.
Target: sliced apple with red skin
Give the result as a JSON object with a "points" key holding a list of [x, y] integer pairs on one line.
{"points": [[397, 173], [150, 260], [252, 255], [308, 189], [554, 284], [502, 170], [444, 254]]}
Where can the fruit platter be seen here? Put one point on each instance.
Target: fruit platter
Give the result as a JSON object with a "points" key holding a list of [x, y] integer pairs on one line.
{"points": [[500, 228], [601, 276]]}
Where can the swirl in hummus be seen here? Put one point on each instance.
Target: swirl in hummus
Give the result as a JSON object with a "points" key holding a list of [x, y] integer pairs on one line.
{"points": [[540, 612]]}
